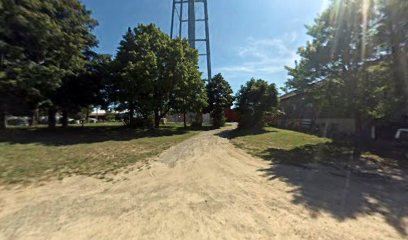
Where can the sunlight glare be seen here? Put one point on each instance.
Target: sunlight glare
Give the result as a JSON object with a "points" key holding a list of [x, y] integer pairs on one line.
{"points": [[365, 12]]}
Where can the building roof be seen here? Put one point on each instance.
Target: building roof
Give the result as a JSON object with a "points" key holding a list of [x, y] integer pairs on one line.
{"points": [[289, 95]]}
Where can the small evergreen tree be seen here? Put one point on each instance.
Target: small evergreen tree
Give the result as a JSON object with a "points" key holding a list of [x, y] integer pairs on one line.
{"points": [[219, 98]]}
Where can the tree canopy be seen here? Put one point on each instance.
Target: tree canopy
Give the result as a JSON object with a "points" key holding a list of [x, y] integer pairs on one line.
{"points": [[255, 100], [48, 65], [220, 97], [356, 61], [154, 74], [42, 42]]}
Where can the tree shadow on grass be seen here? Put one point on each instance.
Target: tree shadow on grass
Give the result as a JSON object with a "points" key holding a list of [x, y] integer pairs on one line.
{"points": [[234, 133], [327, 179], [79, 135]]}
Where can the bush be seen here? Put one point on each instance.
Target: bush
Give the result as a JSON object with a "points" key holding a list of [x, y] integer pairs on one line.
{"points": [[218, 117], [256, 100]]}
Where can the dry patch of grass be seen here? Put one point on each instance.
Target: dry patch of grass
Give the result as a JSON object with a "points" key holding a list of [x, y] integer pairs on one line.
{"points": [[31, 155]]}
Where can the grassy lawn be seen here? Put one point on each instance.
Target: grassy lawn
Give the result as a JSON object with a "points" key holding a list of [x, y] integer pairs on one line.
{"points": [[287, 146], [276, 138], [30, 155]]}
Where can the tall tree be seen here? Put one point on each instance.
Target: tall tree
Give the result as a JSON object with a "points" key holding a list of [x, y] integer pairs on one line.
{"points": [[139, 66], [189, 93], [155, 74], [255, 100], [126, 78], [219, 98], [84, 88], [41, 43], [391, 38], [343, 68]]}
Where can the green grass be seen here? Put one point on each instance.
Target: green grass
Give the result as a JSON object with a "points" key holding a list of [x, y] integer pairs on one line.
{"points": [[291, 147], [31, 155], [287, 146], [276, 138]]}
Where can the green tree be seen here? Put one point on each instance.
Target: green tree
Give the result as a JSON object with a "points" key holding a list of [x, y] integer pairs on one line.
{"points": [[189, 93], [391, 40], [255, 100], [344, 67], [42, 42], [219, 98], [126, 79], [142, 73], [83, 89], [155, 74], [355, 66]]}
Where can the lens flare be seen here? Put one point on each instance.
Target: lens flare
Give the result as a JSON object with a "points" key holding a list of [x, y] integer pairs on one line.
{"points": [[365, 13]]}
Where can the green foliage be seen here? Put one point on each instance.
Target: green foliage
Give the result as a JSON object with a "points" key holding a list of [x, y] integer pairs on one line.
{"points": [[85, 88], [154, 74], [189, 93], [41, 43], [255, 101], [354, 64], [390, 36], [220, 97]]}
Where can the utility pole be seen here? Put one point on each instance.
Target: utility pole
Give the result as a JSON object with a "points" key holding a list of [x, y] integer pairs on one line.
{"points": [[179, 19]]}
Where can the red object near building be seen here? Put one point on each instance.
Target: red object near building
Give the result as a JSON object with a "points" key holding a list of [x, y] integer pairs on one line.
{"points": [[231, 115]]}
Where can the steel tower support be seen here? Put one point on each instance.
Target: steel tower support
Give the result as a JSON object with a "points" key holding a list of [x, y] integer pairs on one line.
{"points": [[179, 19]]}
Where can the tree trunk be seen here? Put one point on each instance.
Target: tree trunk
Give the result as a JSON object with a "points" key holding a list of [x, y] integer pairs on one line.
{"points": [[64, 118], [87, 115], [131, 119], [184, 120], [358, 137], [3, 120], [156, 119], [52, 121], [398, 72], [198, 120], [35, 117]]}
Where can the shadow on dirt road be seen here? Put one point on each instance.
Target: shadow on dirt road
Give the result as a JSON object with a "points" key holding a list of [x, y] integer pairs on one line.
{"points": [[345, 194], [326, 181]]}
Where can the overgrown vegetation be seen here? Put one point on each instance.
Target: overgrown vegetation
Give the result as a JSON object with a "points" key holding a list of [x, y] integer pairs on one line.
{"points": [[31, 155]]}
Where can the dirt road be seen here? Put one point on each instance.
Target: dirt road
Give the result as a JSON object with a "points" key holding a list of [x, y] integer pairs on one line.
{"points": [[205, 188]]}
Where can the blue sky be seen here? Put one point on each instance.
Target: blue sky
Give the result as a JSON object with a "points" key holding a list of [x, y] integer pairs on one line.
{"points": [[249, 38]]}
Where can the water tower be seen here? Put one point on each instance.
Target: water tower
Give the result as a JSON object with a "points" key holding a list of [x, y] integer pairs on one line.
{"points": [[190, 20]]}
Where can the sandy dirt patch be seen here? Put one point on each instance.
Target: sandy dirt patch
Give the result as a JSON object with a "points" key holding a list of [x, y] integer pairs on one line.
{"points": [[205, 188]]}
